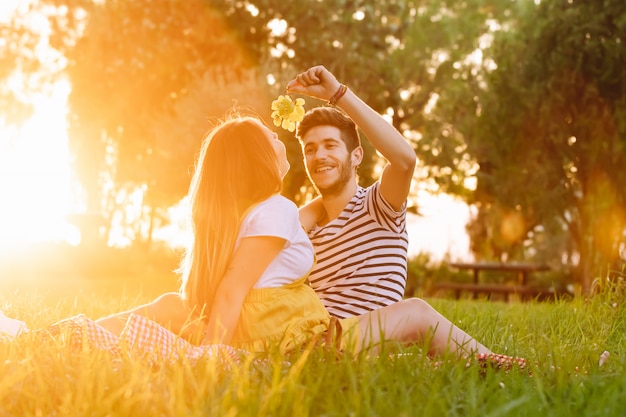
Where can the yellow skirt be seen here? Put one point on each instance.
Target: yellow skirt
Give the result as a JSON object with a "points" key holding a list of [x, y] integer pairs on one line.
{"points": [[286, 317]]}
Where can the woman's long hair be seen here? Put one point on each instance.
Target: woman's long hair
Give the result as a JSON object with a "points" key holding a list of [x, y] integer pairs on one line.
{"points": [[237, 168]]}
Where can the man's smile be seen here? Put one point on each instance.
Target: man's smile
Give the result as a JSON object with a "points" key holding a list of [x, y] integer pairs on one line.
{"points": [[323, 169]]}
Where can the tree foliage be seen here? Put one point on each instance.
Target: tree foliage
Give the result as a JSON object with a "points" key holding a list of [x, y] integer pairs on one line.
{"points": [[135, 65], [135, 68], [399, 56], [529, 99], [147, 79], [140, 69], [550, 137], [22, 69]]}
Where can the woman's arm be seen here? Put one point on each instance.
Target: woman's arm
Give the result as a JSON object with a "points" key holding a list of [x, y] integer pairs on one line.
{"points": [[250, 260]]}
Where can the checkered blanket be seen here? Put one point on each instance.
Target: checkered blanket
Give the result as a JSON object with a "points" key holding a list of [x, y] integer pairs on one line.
{"points": [[141, 338]]}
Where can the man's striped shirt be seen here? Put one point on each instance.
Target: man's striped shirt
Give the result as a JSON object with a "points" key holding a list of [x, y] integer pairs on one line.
{"points": [[361, 256]]}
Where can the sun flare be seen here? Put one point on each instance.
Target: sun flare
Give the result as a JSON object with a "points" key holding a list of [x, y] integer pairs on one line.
{"points": [[35, 177]]}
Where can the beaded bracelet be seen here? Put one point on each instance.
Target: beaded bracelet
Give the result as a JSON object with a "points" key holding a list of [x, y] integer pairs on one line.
{"points": [[338, 94]]}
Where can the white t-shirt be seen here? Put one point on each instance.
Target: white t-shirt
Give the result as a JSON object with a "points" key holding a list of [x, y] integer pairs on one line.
{"points": [[278, 217]]}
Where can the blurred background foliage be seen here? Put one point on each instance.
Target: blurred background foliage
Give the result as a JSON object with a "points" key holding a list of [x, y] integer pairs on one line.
{"points": [[517, 106]]}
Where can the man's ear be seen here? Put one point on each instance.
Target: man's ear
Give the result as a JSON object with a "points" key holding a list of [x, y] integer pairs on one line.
{"points": [[357, 156]]}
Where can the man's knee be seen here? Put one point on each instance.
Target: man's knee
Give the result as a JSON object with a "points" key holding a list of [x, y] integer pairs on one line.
{"points": [[416, 305]]}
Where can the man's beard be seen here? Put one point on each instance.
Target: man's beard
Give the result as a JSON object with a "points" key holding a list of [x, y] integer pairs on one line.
{"points": [[345, 176]]}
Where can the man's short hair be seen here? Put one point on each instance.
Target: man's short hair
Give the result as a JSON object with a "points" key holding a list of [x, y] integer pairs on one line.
{"points": [[330, 116]]}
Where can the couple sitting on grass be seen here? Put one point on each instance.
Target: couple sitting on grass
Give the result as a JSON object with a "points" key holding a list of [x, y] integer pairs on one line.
{"points": [[253, 279]]}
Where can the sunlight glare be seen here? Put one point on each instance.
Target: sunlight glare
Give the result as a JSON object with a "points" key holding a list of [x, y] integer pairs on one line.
{"points": [[35, 175], [178, 232], [440, 229]]}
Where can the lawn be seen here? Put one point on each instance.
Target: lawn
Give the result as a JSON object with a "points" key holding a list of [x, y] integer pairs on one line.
{"points": [[562, 341]]}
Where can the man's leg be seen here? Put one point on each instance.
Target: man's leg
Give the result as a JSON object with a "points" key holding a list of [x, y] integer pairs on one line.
{"points": [[413, 320]]}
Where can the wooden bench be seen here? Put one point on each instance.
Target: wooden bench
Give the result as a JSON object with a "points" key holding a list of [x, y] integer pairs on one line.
{"points": [[519, 288], [524, 293]]}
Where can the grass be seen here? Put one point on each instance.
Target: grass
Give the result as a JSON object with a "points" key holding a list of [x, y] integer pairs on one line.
{"points": [[562, 340]]}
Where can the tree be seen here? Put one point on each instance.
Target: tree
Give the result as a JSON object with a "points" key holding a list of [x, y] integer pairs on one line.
{"points": [[137, 69], [20, 63], [549, 134], [346, 36], [399, 56]]}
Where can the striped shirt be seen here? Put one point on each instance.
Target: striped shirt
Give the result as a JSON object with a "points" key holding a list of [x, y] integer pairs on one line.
{"points": [[361, 256]]}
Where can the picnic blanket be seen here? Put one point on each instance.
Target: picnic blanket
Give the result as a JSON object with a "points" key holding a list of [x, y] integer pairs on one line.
{"points": [[141, 338]]}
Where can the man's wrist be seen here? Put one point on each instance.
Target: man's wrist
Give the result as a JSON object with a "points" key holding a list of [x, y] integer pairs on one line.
{"points": [[338, 94]]}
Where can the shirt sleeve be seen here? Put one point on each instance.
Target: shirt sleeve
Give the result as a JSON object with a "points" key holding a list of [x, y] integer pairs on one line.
{"points": [[383, 212], [276, 217]]}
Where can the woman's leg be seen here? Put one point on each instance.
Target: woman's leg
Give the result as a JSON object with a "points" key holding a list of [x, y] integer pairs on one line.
{"points": [[413, 320], [168, 310]]}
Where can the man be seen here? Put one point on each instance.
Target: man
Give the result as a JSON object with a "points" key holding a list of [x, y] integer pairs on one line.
{"points": [[359, 234]]}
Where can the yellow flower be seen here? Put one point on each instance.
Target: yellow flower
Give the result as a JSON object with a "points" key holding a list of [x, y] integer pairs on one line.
{"points": [[286, 113]]}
